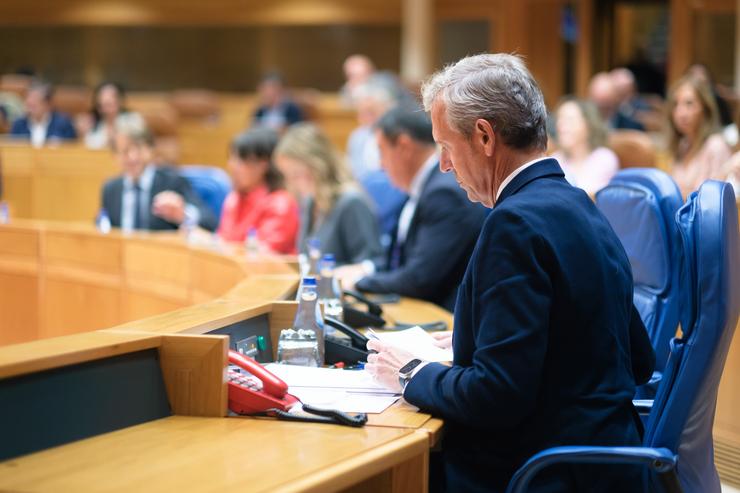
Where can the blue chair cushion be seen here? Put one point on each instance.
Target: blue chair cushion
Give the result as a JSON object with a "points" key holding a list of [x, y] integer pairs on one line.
{"points": [[212, 185]]}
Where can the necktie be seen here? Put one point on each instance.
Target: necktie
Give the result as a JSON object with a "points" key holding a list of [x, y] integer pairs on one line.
{"points": [[138, 224]]}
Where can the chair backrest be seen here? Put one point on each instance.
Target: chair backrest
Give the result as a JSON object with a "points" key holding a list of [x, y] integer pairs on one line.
{"points": [[641, 205], [210, 183], [683, 411], [388, 199], [633, 148]]}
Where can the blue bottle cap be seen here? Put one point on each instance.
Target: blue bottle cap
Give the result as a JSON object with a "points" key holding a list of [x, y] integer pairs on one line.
{"points": [[328, 257], [309, 281]]}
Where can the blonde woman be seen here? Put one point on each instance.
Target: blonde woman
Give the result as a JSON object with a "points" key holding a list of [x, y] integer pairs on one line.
{"points": [[697, 149], [582, 151], [333, 209]]}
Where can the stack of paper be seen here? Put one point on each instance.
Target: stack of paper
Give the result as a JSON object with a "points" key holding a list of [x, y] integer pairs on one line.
{"points": [[350, 391], [416, 341]]}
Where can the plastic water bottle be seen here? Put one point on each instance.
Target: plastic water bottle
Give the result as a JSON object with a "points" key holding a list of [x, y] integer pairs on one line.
{"points": [[4, 213], [330, 296], [252, 243], [314, 256], [188, 227], [303, 344], [102, 222]]}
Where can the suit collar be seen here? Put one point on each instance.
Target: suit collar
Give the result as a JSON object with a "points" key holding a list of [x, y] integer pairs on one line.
{"points": [[541, 169]]}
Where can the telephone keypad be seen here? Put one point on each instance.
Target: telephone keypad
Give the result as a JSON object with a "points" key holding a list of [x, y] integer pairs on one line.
{"points": [[248, 381]]}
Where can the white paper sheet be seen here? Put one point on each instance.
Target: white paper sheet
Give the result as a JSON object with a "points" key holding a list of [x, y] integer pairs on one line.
{"points": [[417, 342], [348, 402], [351, 391]]}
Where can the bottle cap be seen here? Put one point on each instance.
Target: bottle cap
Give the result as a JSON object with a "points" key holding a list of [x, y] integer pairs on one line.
{"points": [[328, 257], [309, 281]]}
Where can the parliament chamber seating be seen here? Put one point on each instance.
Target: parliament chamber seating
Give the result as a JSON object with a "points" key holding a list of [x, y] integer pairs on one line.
{"points": [[212, 185], [641, 205], [678, 446]]}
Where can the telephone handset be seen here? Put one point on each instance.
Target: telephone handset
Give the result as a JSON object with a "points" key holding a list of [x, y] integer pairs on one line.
{"points": [[260, 393], [264, 393], [372, 317], [338, 350]]}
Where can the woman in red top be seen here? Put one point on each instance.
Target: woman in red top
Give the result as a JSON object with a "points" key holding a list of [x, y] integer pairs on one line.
{"points": [[258, 200]]}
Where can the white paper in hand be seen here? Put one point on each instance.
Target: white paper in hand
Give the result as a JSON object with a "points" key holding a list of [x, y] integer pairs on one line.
{"points": [[417, 342]]}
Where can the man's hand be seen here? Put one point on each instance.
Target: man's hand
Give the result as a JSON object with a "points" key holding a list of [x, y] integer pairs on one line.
{"points": [[442, 339], [384, 365], [170, 206], [348, 275]]}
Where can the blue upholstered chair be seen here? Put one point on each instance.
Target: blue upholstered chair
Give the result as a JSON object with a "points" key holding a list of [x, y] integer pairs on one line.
{"points": [[641, 205], [678, 446], [212, 185]]}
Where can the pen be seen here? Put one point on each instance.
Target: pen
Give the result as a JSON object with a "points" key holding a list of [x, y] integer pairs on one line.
{"points": [[372, 335]]}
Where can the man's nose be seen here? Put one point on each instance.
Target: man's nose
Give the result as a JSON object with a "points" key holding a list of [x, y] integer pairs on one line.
{"points": [[445, 164]]}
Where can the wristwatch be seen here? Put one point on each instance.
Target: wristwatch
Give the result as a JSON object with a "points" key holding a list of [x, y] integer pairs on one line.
{"points": [[405, 372]]}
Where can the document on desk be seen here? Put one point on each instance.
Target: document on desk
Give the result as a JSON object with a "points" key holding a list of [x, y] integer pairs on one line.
{"points": [[350, 391], [416, 341]]}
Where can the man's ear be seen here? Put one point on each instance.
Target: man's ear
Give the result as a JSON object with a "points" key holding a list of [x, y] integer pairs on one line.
{"points": [[484, 136], [404, 142]]}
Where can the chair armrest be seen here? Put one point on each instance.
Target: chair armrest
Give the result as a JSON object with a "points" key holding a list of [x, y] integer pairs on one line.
{"points": [[660, 460], [643, 406]]}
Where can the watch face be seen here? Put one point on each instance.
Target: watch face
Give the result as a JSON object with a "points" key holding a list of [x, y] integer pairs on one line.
{"points": [[409, 366]]}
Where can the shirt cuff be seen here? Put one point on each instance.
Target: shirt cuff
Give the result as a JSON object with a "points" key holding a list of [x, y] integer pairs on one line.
{"points": [[413, 373], [192, 214], [369, 267]]}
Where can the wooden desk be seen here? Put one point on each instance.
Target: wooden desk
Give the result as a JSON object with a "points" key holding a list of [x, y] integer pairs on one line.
{"points": [[61, 183], [183, 453]]}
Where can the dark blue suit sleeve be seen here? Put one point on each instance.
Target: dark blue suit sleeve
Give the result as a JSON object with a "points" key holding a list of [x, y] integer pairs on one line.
{"points": [[513, 294], [448, 227]]}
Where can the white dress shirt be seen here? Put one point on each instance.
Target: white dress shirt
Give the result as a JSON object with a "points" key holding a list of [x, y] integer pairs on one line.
{"points": [[513, 174], [38, 131], [128, 199]]}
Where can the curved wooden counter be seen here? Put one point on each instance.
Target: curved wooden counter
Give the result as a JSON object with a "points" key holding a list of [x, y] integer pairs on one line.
{"points": [[61, 278]]}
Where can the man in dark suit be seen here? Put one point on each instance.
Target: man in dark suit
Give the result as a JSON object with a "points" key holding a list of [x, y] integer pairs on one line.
{"points": [[42, 124], [548, 347], [147, 196], [437, 227]]}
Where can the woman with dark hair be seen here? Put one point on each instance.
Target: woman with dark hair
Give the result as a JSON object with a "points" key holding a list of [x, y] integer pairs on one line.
{"points": [[582, 151], [258, 201], [697, 150], [108, 104]]}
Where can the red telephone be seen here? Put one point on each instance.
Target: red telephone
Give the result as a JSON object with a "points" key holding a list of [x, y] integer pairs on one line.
{"points": [[259, 393]]}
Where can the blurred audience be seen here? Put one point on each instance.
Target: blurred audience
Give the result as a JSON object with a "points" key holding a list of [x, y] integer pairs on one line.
{"points": [[97, 127], [276, 111], [582, 151], [364, 156], [41, 124], [333, 208], [359, 70], [438, 227], [604, 93], [697, 150], [148, 196], [259, 201]]}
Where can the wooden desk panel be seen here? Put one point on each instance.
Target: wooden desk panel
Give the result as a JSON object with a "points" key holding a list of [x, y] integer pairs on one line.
{"points": [[55, 183], [216, 454]]}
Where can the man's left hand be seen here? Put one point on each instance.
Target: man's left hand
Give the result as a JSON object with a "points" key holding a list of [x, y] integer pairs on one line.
{"points": [[384, 365]]}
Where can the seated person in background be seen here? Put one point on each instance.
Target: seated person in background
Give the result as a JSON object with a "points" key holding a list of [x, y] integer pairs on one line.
{"points": [[333, 208], [605, 95], [276, 111], [259, 199], [147, 196], [438, 226], [42, 124], [581, 137], [364, 157], [108, 100], [697, 150]]}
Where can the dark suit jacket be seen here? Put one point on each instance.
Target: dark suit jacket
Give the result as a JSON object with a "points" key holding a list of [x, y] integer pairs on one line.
{"points": [[440, 239], [291, 111], [165, 178], [60, 127], [548, 347]]}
